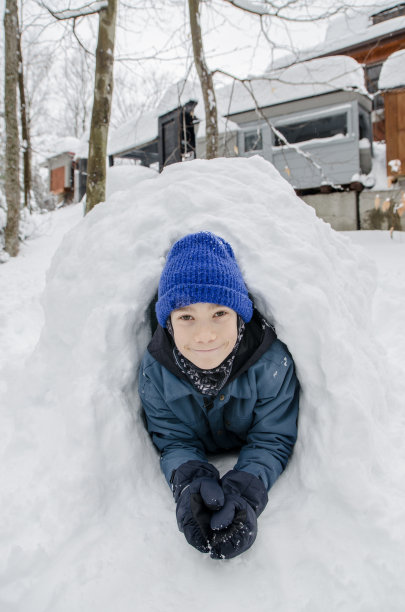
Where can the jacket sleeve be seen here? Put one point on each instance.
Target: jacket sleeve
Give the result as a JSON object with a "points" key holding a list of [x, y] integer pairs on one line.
{"points": [[273, 433], [176, 441]]}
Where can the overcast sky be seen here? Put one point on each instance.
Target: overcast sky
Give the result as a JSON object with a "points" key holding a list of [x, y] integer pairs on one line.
{"points": [[154, 45]]}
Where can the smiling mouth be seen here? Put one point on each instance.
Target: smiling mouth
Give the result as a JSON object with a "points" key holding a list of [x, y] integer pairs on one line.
{"points": [[206, 350]]}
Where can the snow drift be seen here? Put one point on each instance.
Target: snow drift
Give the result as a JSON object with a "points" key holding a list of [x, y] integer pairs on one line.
{"points": [[88, 520]]}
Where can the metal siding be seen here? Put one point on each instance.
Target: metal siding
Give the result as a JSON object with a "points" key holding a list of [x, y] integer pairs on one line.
{"points": [[323, 101], [339, 158], [339, 161], [68, 174]]}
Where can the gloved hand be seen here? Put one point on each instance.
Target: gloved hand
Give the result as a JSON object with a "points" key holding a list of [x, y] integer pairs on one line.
{"points": [[234, 526], [197, 493]]}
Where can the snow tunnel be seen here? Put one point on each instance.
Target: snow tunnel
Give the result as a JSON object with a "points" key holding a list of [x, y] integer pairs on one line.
{"points": [[88, 463]]}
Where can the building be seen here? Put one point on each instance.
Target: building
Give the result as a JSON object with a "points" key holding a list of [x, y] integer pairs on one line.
{"points": [[312, 120], [369, 35], [61, 166], [392, 86]]}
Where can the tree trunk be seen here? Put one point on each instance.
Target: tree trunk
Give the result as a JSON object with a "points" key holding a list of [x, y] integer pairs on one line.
{"points": [[100, 119], [12, 178], [206, 81], [25, 133]]}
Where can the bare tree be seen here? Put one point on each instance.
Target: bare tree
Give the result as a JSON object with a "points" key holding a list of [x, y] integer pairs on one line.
{"points": [[103, 90], [206, 81], [100, 119], [77, 88], [267, 12], [25, 131], [12, 177]]}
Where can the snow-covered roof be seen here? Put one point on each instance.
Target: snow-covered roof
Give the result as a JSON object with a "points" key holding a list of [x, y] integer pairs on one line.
{"points": [[83, 148], [179, 94], [392, 72], [303, 80], [136, 132], [354, 27], [182, 92], [69, 144], [144, 129]]}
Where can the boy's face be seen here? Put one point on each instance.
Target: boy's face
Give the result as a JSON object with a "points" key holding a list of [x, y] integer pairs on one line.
{"points": [[205, 333]]}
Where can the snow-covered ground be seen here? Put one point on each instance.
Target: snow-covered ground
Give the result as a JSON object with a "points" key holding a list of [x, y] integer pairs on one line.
{"points": [[22, 281], [87, 520]]}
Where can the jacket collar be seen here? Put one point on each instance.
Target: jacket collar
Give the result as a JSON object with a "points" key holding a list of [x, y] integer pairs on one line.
{"points": [[175, 389]]}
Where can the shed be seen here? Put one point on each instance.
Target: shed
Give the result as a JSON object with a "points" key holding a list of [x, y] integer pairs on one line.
{"points": [[311, 120], [175, 131], [163, 136], [392, 84], [60, 164], [176, 135]]}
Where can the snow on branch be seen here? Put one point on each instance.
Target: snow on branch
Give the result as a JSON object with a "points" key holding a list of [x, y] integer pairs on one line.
{"points": [[87, 9], [266, 8], [258, 8]]}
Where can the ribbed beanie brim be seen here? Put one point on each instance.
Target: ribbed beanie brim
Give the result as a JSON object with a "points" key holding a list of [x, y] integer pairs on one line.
{"points": [[202, 267]]}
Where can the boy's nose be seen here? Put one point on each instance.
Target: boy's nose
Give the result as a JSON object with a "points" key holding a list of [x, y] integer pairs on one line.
{"points": [[204, 334]]}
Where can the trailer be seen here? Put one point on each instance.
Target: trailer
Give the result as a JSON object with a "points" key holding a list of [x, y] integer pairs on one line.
{"points": [[317, 134]]}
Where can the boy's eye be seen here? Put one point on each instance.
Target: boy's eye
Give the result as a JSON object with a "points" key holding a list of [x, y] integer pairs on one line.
{"points": [[220, 313]]}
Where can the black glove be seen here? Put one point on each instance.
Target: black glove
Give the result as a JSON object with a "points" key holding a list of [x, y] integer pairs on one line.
{"points": [[234, 526], [197, 493]]}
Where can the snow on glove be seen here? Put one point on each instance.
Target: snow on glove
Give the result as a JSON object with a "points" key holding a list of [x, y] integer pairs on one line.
{"points": [[197, 493], [235, 524]]}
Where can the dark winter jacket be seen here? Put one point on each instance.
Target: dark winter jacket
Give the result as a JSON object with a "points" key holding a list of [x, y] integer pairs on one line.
{"points": [[256, 411]]}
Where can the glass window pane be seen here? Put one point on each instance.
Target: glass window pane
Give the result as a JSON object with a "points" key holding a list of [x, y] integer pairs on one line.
{"points": [[389, 13], [324, 127], [372, 73], [253, 141]]}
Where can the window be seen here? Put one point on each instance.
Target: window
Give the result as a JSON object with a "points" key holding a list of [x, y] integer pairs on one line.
{"points": [[390, 13], [322, 127], [253, 140], [372, 75], [365, 130]]}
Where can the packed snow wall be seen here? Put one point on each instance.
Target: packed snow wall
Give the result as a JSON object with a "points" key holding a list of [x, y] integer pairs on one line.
{"points": [[82, 485]]}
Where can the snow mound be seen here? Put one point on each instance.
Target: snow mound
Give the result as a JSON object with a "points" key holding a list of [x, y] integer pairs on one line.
{"points": [[88, 518], [299, 80], [126, 177]]}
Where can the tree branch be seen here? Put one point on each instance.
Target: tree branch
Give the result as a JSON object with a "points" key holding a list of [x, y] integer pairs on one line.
{"points": [[78, 39], [87, 9]]}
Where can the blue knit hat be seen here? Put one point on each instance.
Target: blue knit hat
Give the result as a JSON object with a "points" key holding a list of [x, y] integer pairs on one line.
{"points": [[202, 268]]}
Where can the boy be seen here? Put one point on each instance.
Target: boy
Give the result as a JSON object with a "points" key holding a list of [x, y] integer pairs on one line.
{"points": [[215, 378]]}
